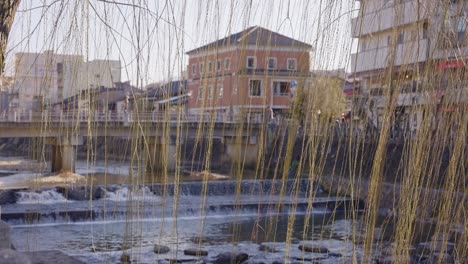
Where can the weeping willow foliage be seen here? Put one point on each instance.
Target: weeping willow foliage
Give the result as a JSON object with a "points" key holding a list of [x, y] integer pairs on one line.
{"points": [[399, 106]]}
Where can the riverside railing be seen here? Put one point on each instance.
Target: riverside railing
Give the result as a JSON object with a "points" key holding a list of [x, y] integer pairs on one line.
{"points": [[98, 116]]}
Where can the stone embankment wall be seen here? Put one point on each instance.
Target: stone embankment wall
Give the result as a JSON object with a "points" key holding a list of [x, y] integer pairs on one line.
{"points": [[5, 241], [348, 168]]}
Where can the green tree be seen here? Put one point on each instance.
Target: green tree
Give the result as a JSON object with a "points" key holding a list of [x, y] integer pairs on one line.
{"points": [[321, 96]]}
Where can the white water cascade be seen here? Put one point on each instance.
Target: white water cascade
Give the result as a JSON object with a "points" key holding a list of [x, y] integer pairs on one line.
{"points": [[124, 193], [42, 197]]}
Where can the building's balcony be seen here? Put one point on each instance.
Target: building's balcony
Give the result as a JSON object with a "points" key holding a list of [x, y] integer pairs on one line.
{"points": [[456, 51], [384, 19], [406, 53]]}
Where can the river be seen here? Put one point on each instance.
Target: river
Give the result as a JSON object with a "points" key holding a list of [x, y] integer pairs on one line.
{"points": [[218, 216]]}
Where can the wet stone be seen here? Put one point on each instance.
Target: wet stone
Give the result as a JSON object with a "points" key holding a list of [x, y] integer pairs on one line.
{"points": [[195, 252], [267, 248], [295, 241], [231, 257], [182, 260], [81, 193], [313, 249], [5, 239], [334, 255], [9, 256], [161, 249], [7, 197], [125, 259]]}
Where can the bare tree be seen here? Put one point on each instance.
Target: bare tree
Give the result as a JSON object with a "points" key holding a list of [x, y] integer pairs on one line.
{"points": [[7, 15]]}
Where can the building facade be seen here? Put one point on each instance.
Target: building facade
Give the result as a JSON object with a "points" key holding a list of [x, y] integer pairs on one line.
{"points": [[46, 78], [252, 72], [413, 51]]}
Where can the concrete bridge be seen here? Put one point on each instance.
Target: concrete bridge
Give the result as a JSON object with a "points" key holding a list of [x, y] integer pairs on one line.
{"points": [[158, 134]]}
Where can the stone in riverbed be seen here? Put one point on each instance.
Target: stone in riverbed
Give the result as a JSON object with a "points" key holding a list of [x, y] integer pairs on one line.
{"points": [[7, 197], [295, 241], [5, 239], [334, 255], [313, 249], [161, 249], [9, 256], [176, 261], [267, 248], [195, 252], [81, 193], [231, 258], [125, 259]]}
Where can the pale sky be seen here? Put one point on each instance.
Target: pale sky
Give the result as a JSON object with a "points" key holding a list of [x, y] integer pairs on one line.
{"points": [[150, 37]]}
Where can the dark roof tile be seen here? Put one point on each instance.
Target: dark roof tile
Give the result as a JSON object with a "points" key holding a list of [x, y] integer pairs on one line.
{"points": [[254, 36]]}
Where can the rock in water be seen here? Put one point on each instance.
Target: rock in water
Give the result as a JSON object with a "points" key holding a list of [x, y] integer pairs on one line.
{"points": [[313, 249], [9, 256], [5, 239], [295, 241], [195, 252], [334, 255], [267, 248], [7, 197], [161, 249], [125, 259], [231, 258]]}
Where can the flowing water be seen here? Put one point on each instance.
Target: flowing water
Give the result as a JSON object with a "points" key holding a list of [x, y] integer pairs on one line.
{"points": [[230, 217]]}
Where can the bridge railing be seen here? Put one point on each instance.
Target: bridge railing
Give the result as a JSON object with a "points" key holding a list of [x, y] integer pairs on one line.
{"points": [[98, 116]]}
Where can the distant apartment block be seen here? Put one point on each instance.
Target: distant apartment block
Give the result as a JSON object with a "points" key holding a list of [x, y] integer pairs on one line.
{"points": [[251, 72], [46, 78], [424, 42]]}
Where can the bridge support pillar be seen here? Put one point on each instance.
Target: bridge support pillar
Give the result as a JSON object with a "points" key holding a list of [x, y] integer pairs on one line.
{"points": [[64, 153], [243, 150], [160, 157]]}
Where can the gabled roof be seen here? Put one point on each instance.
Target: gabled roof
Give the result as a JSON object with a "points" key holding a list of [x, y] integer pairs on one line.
{"points": [[254, 36]]}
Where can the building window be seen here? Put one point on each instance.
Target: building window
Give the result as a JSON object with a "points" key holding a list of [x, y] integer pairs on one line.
{"points": [[209, 66], [453, 30], [281, 88], [227, 64], [202, 68], [271, 63], [413, 35], [220, 90], [251, 62], [194, 69], [59, 67], [200, 92], [234, 90], [363, 45], [292, 64], [255, 88], [210, 92], [425, 30], [461, 23], [401, 38], [218, 65]]}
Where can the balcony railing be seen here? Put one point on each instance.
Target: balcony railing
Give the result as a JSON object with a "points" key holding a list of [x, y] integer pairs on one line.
{"points": [[406, 53], [384, 19]]}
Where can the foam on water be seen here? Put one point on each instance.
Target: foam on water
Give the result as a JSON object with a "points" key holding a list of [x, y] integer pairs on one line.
{"points": [[43, 197], [124, 194]]}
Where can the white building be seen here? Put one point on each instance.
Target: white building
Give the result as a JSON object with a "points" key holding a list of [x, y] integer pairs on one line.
{"points": [[410, 48], [46, 78]]}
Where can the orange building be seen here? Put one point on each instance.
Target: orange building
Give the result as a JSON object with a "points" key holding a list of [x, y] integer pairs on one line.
{"points": [[253, 71]]}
